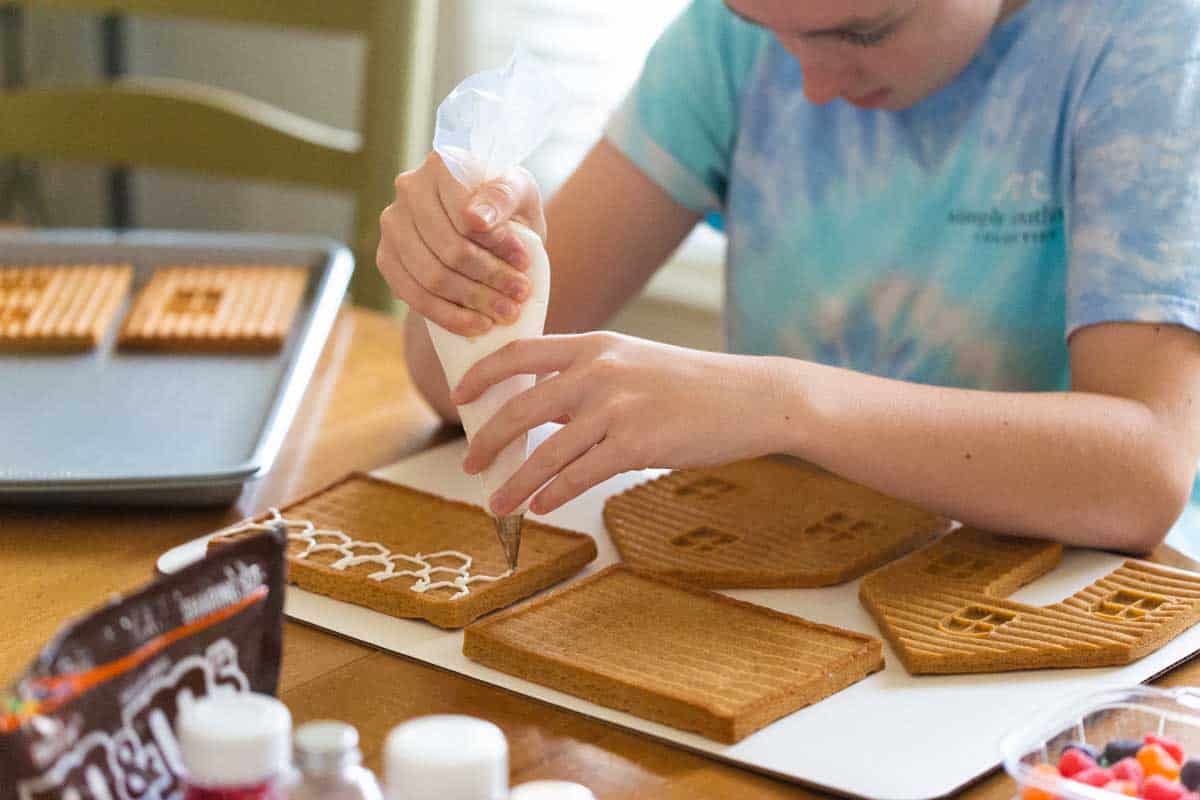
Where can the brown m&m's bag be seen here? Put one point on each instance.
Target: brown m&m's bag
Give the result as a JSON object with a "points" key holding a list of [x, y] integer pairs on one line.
{"points": [[93, 717]]}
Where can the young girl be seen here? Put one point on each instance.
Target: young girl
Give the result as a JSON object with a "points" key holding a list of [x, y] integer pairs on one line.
{"points": [[963, 266]]}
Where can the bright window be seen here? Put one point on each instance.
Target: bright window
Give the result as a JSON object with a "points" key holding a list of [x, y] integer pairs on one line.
{"points": [[597, 50]]}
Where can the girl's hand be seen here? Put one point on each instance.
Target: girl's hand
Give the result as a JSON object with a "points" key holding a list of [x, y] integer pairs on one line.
{"points": [[449, 252], [627, 404]]}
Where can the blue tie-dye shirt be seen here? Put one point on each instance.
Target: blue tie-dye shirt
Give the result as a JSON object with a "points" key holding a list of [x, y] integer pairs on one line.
{"points": [[1054, 184]]}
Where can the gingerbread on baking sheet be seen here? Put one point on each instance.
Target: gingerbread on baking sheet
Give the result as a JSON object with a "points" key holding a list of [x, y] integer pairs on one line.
{"points": [[215, 309], [59, 308]]}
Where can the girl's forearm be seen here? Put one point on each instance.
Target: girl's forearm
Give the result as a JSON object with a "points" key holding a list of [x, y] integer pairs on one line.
{"points": [[1085, 469]]}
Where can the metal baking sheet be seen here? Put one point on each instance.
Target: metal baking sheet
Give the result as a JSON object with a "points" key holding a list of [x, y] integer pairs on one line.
{"points": [[117, 427]]}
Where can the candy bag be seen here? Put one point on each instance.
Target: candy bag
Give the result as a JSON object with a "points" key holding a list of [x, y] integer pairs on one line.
{"points": [[93, 717]]}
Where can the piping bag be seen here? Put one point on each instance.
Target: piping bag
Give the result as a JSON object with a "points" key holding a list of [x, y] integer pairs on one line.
{"points": [[490, 123]]}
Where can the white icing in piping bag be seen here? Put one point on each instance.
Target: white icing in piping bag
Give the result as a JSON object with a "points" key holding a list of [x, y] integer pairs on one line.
{"points": [[490, 123], [459, 353]]}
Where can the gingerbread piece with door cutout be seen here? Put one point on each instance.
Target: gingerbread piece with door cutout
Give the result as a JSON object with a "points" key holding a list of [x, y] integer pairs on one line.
{"points": [[944, 608]]}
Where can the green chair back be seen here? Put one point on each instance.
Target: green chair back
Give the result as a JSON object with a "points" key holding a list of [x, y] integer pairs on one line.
{"points": [[209, 130]]}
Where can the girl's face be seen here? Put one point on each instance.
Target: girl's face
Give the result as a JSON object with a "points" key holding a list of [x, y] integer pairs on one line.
{"points": [[887, 54]]}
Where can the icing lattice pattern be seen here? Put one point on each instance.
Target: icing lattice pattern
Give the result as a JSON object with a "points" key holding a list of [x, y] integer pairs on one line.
{"points": [[392, 565]]}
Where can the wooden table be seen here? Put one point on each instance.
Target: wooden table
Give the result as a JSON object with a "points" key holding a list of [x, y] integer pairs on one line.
{"points": [[360, 412]]}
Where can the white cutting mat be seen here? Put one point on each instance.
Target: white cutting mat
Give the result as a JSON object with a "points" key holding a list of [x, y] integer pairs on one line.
{"points": [[891, 736]]}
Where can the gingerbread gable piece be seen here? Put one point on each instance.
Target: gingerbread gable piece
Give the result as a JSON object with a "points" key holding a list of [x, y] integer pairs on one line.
{"points": [[943, 608]]}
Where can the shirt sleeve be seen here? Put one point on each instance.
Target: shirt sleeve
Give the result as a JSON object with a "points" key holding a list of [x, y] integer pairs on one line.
{"points": [[679, 122], [1134, 218]]}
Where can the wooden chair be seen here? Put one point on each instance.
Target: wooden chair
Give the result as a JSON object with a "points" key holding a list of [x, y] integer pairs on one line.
{"points": [[172, 124]]}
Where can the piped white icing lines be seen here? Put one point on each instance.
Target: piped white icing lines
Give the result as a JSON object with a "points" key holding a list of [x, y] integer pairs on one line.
{"points": [[317, 540]]}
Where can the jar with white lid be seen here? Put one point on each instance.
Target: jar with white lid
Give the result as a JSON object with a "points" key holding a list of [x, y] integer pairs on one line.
{"points": [[235, 746], [551, 790], [446, 757]]}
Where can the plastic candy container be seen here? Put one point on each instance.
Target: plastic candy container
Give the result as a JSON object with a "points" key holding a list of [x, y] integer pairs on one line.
{"points": [[1139, 742]]}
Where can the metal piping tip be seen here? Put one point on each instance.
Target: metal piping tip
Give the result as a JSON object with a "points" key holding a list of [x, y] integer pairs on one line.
{"points": [[509, 530]]}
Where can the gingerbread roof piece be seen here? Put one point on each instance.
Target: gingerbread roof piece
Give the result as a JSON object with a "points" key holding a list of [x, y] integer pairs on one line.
{"points": [[764, 523]]}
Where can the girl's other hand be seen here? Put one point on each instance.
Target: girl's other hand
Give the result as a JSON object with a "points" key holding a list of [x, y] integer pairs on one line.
{"points": [[628, 404]]}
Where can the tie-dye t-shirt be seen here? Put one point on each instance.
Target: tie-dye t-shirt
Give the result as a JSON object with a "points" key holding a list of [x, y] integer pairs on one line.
{"points": [[1054, 184]]}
